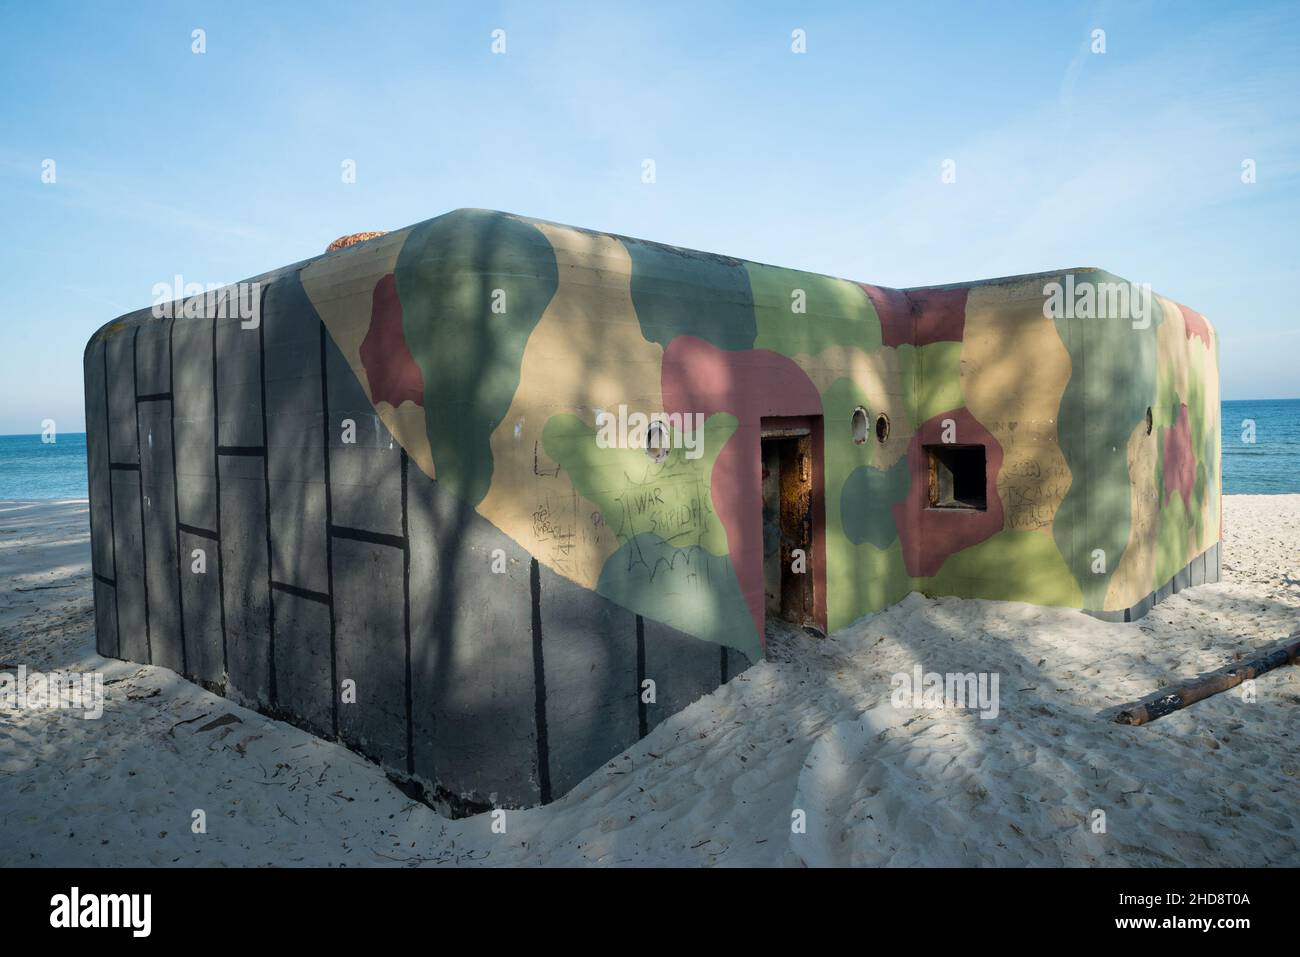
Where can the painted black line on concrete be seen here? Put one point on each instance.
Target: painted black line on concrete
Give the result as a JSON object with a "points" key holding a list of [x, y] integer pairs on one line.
{"points": [[307, 593], [104, 580], [249, 451], [329, 539], [539, 685], [124, 466], [365, 535], [157, 396], [144, 538], [642, 723], [176, 496], [197, 532]]}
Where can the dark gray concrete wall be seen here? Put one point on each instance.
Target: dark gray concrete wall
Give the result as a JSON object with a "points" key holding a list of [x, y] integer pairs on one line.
{"points": [[196, 454], [473, 679], [239, 539], [370, 648], [157, 478], [589, 653], [200, 599], [199, 552], [99, 479], [128, 532], [246, 590]]}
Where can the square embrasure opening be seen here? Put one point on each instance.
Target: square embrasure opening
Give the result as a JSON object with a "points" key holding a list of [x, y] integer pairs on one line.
{"points": [[957, 476]]}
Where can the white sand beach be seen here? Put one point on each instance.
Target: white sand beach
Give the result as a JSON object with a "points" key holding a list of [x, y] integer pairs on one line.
{"points": [[812, 730]]}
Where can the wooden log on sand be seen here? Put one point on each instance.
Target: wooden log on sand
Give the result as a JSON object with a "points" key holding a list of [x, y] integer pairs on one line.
{"points": [[1194, 691]]}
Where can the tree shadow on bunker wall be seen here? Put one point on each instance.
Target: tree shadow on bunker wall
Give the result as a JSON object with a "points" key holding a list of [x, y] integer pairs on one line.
{"points": [[523, 682]]}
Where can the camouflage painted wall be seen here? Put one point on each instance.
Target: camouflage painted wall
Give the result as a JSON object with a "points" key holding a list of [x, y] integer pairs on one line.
{"points": [[476, 352], [502, 408]]}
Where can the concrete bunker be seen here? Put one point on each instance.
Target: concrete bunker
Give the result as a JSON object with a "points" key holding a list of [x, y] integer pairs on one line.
{"points": [[392, 473]]}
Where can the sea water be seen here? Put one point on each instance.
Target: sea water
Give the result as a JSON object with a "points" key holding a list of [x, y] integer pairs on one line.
{"points": [[1261, 454]]}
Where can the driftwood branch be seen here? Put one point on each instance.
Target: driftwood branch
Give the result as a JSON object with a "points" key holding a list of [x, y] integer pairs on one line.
{"points": [[1167, 702]]}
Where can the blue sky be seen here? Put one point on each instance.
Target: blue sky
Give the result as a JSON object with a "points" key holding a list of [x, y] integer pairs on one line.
{"points": [[223, 165]]}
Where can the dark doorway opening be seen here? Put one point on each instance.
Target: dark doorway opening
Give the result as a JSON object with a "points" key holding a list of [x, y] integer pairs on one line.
{"points": [[789, 501]]}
